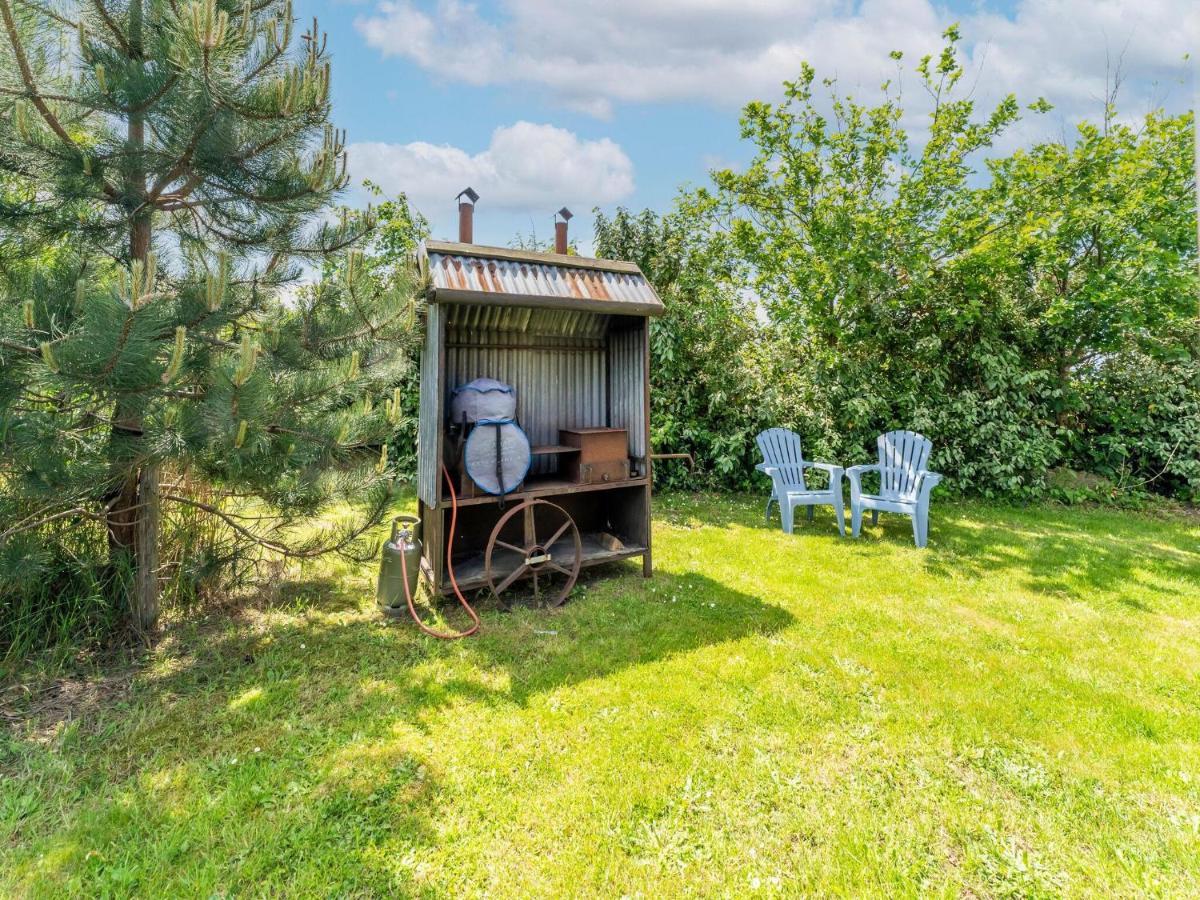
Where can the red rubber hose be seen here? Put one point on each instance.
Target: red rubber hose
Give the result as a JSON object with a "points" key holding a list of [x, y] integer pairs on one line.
{"points": [[444, 635]]}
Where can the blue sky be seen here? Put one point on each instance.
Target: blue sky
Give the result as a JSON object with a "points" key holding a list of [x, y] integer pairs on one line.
{"points": [[540, 103]]}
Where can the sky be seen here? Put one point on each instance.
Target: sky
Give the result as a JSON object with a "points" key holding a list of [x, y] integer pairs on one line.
{"points": [[539, 104]]}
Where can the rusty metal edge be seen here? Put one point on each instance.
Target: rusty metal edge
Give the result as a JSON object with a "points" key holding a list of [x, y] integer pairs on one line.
{"points": [[453, 248], [532, 301]]}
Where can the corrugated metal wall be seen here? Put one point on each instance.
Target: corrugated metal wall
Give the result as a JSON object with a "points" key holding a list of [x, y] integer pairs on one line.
{"points": [[557, 387], [628, 387], [465, 322], [429, 425], [561, 364]]}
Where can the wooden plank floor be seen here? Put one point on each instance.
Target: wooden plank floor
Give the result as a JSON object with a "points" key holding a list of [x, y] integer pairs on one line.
{"points": [[548, 487], [471, 575]]}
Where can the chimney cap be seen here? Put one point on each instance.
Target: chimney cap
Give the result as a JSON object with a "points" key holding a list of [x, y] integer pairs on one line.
{"points": [[565, 213], [470, 194]]}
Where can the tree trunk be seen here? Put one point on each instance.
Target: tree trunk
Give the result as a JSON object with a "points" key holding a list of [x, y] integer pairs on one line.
{"points": [[133, 520], [144, 598], [133, 525]]}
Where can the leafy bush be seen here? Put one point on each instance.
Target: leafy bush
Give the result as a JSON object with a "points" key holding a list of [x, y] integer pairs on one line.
{"points": [[846, 283], [706, 379], [1140, 424]]}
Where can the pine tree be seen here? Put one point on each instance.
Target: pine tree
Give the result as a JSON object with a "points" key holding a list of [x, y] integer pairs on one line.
{"points": [[167, 170]]}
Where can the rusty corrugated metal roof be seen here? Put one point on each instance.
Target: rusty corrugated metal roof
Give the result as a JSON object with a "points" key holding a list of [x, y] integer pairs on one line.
{"points": [[485, 317], [468, 273]]}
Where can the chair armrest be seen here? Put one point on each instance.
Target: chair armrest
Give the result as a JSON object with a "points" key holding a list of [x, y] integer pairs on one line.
{"points": [[834, 473], [777, 486], [858, 470], [827, 467], [927, 481], [854, 473]]}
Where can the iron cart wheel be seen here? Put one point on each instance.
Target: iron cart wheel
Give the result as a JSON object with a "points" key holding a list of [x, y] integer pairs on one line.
{"points": [[536, 557]]}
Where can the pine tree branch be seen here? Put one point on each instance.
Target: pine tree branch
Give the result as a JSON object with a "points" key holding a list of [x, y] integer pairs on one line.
{"points": [[112, 27], [263, 198], [28, 525], [10, 26], [251, 152], [233, 239], [157, 95], [184, 192], [210, 339], [47, 11], [368, 329], [312, 438], [126, 327], [57, 98], [254, 8], [182, 164], [172, 205], [266, 63], [20, 348], [267, 543], [185, 158], [27, 75]]}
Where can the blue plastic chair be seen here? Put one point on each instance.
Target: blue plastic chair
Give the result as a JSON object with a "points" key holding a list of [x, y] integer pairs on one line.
{"points": [[904, 483], [785, 464]]}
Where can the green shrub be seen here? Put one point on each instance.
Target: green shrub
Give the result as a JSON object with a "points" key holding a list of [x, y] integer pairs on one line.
{"points": [[1140, 423]]}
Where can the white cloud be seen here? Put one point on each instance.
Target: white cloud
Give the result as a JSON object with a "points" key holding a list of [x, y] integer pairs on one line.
{"points": [[525, 167], [590, 56]]}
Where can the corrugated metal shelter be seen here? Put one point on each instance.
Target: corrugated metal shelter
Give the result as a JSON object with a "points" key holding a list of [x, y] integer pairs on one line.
{"points": [[571, 335]]}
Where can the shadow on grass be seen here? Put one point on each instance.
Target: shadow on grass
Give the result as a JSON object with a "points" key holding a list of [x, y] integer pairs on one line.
{"points": [[261, 751], [323, 592], [1069, 553], [1054, 550], [615, 619], [258, 755]]}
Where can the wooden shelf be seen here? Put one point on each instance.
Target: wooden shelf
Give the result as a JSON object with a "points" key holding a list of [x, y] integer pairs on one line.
{"points": [[471, 575], [553, 450], [541, 486]]}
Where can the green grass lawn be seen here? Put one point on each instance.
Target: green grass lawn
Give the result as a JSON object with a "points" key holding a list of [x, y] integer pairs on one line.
{"points": [[1014, 711]]}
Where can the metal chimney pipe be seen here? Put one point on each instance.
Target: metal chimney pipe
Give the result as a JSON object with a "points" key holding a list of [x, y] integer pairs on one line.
{"points": [[560, 230], [466, 215]]}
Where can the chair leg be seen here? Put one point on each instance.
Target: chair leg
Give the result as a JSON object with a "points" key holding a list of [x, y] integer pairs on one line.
{"points": [[786, 510], [840, 513], [917, 537], [874, 517], [855, 519], [767, 511], [811, 511]]}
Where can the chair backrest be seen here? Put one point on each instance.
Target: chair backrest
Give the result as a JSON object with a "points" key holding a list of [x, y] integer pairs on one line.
{"points": [[903, 455], [781, 449]]}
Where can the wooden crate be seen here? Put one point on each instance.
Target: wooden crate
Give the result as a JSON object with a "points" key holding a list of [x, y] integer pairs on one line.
{"points": [[603, 454]]}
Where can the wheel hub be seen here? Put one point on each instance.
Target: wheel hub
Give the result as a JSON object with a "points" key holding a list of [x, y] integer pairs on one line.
{"points": [[535, 552]]}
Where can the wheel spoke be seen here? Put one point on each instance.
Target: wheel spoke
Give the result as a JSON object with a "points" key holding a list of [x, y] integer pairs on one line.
{"points": [[561, 531], [513, 576], [545, 571]]}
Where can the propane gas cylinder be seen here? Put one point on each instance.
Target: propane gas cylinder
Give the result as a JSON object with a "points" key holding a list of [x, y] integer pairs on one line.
{"points": [[401, 555]]}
